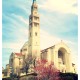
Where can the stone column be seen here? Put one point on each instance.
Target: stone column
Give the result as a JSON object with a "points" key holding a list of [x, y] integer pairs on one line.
{"points": [[49, 55], [56, 59], [70, 64], [67, 62]]}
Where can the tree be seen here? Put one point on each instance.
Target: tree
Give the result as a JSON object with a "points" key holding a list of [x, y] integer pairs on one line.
{"points": [[46, 71], [27, 62]]}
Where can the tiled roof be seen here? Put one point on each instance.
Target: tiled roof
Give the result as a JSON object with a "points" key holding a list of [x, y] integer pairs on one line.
{"points": [[47, 48]]}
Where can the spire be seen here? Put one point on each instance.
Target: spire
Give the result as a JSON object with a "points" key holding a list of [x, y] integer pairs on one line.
{"points": [[34, 1]]}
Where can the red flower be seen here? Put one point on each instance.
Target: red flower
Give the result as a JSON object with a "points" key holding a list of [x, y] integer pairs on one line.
{"points": [[46, 71]]}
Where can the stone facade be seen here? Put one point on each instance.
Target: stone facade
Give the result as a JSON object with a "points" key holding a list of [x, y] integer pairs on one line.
{"points": [[74, 68], [60, 55], [24, 50], [34, 31], [16, 62]]}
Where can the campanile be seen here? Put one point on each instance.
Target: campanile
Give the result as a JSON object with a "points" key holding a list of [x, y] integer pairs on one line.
{"points": [[34, 31]]}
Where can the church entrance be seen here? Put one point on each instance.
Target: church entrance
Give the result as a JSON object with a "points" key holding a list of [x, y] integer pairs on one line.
{"points": [[61, 60], [62, 57]]}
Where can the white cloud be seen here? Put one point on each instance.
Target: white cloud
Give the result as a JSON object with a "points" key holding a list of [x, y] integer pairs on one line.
{"points": [[14, 46], [63, 6], [23, 7], [16, 26], [53, 22], [25, 21], [48, 40]]}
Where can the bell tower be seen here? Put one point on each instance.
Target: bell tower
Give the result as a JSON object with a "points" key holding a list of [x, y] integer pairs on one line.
{"points": [[34, 31]]}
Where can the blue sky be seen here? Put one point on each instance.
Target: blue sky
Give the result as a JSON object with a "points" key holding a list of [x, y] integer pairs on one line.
{"points": [[58, 21]]}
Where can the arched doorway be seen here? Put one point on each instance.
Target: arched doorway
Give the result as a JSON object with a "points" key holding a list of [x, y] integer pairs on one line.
{"points": [[62, 60]]}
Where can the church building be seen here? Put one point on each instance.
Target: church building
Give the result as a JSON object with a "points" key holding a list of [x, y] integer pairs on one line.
{"points": [[59, 53]]}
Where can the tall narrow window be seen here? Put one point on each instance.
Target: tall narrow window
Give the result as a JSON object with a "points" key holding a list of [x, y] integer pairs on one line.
{"points": [[35, 8], [30, 33], [30, 25], [35, 24], [25, 49], [36, 18], [35, 33]]}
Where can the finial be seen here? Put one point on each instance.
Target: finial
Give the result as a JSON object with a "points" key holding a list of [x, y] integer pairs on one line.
{"points": [[34, 1]]}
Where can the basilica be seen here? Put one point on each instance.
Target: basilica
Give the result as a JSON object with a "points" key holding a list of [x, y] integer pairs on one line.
{"points": [[59, 53]]}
